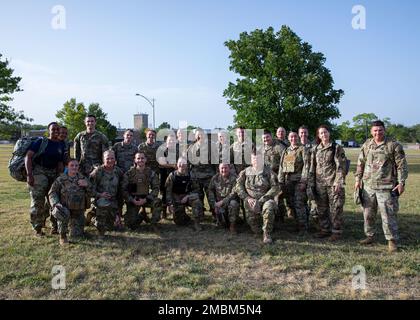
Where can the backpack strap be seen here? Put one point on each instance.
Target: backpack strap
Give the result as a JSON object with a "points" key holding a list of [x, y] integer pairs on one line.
{"points": [[42, 147]]}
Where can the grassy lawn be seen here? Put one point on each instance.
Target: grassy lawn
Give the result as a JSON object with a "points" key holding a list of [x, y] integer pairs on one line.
{"points": [[182, 264]]}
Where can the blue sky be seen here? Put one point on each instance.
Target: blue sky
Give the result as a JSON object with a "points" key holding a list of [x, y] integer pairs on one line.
{"points": [[173, 51]]}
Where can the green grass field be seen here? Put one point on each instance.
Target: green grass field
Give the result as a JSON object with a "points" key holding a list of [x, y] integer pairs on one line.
{"points": [[182, 264]]}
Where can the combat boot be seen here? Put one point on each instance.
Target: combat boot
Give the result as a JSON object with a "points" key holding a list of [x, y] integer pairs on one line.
{"points": [[232, 228], [322, 234], [392, 246], [334, 237], [38, 232], [54, 230], [63, 239], [267, 238], [367, 241], [197, 226]]}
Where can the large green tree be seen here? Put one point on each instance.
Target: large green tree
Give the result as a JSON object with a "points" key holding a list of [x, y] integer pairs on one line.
{"points": [[10, 120], [281, 82], [73, 114]]}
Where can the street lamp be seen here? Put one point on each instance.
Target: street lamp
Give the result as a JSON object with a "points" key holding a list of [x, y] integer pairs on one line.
{"points": [[152, 103]]}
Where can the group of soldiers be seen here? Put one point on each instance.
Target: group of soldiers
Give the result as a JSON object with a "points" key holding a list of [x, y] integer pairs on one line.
{"points": [[281, 177]]}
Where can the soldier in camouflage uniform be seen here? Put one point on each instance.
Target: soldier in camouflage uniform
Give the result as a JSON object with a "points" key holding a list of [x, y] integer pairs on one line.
{"points": [[89, 146], [107, 183], [381, 174], [257, 186], [41, 173], [141, 188], [293, 176], [240, 151], [71, 190], [273, 151], [199, 156], [222, 197], [63, 137], [182, 189], [327, 180], [281, 137], [124, 154], [149, 148]]}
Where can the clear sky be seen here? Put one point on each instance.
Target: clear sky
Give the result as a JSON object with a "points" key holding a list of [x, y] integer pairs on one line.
{"points": [[174, 51]]}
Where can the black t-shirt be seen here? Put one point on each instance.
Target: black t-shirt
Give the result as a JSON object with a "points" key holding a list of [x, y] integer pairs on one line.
{"points": [[53, 154]]}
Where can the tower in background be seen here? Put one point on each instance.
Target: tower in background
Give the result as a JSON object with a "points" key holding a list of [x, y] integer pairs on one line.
{"points": [[141, 121]]}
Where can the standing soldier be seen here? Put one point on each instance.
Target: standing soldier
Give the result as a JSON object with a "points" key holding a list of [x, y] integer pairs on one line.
{"points": [[63, 137], [41, 171], [68, 197], [381, 174], [292, 176], [106, 180], [199, 156], [222, 198], [240, 151], [281, 136], [149, 148], [89, 146], [124, 155], [257, 186], [141, 188], [182, 142], [327, 180], [182, 189]]}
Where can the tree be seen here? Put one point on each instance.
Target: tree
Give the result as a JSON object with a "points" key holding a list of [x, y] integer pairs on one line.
{"points": [[73, 115], [346, 132], [163, 125], [362, 123], [10, 120], [282, 82]]}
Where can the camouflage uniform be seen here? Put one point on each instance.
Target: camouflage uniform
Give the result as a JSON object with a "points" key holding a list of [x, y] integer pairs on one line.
{"points": [[178, 186], [327, 171], [124, 155], [203, 170], [292, 174], [223, 189], [150, 152], [263, 187], [89, 149], [136, 185], [67, 192], [240, 155], [380, 168], [104, 181]]}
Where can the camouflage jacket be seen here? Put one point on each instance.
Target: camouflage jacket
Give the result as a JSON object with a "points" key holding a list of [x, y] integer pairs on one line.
{"points": [[124, 154], [221, 153], [262, 186], [193, 189], [90, 147], [104, 181], [199, 157], [240, 155], [382, 166], [273, 154], [222, 189], [66, 191], [327, 167], [140, 183], [150, 152], [294, 165]]}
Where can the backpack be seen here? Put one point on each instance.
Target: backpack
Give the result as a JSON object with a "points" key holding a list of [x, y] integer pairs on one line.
{"points": [[16, 165]]}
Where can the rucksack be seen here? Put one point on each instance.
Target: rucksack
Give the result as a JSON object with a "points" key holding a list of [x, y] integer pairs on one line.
{"points": [[16, 165]]}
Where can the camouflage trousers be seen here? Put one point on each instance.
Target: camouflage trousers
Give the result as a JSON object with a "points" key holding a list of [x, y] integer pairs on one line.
{"points": [[40, 207], [76, 222], [297, 200], [330, 208], [204, 189], [229, 213], [105, 217], [132, 218], [263, 219], [281, 207], [388, 206], [180, 216]]}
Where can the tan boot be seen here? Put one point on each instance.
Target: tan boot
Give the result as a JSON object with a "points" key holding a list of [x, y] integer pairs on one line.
{"points": [[232, 228], [367, 241], [392, 246], [63, 240], [267, 238]]}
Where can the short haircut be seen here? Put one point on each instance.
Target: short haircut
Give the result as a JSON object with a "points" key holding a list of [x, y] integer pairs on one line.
{"points": [[129, 130], [52, 124], [91, 116], [303, 128], [63, 127], [150, 130], [267, 132], [378, 123], [71, 160]]}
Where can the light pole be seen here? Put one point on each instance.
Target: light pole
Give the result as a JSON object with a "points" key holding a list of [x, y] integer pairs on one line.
{"points": [[152, 103]]}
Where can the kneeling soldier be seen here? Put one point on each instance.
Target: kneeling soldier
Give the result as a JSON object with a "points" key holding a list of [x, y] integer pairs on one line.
{"points": [[136, 188], [182, 189], [222, 198], [257, 186], [68, 196]]}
